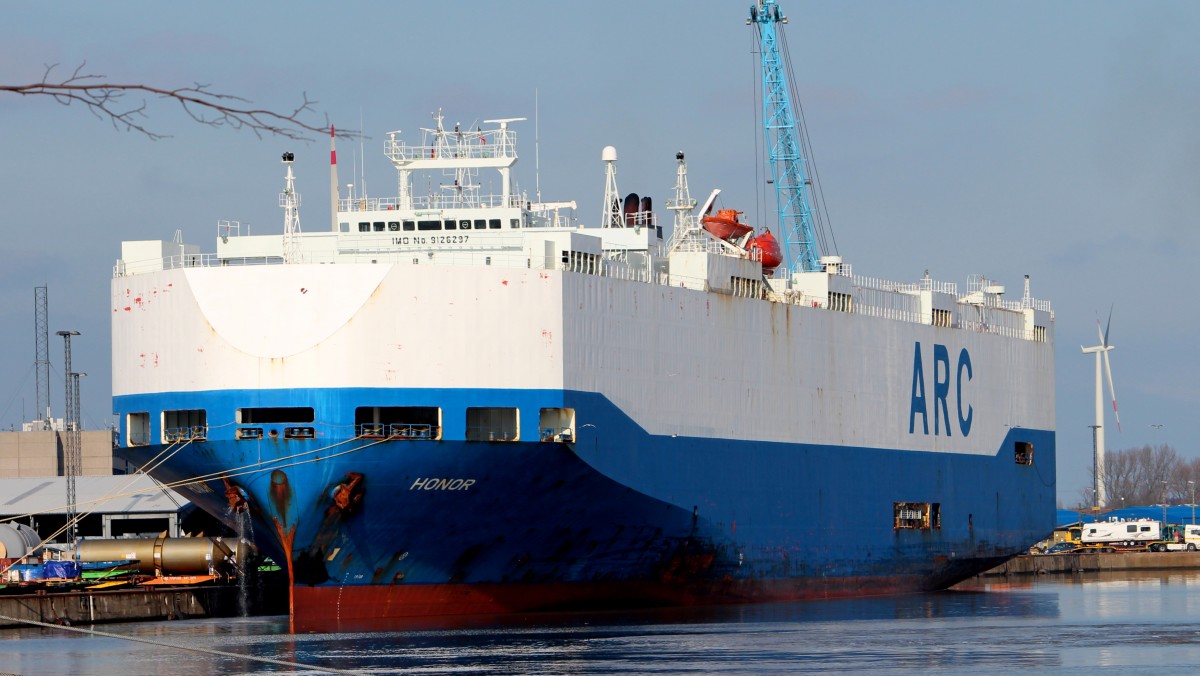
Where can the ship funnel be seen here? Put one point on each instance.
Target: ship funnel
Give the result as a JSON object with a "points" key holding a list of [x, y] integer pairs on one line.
{"points": [[631, 209]]}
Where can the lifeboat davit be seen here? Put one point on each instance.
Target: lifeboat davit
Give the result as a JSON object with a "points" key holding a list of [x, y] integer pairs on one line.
{"points": [[765, 248], [725, 224]]}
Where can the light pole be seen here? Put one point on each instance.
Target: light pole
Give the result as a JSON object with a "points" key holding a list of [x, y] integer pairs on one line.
{"points": [[71, 461], [1192, 485], [1164, 504]]}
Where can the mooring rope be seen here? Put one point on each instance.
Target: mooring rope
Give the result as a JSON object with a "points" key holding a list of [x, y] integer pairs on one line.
{"points": [[163, 644]]}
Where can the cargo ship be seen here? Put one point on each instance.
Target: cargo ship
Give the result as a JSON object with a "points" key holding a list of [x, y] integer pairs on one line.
{"points": [[449, 402]]}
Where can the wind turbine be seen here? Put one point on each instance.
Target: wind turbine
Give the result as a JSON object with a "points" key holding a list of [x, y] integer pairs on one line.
{"points": [[1098, 429]]}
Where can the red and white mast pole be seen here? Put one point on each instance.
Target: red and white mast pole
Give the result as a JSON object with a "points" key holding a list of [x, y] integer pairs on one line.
{"points": [[333, 182]]}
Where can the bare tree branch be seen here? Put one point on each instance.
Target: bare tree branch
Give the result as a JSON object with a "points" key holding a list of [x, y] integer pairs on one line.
{"points": [[107, 100]]}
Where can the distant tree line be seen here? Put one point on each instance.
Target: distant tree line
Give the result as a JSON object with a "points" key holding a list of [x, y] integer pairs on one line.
{"points": [[1145, 476]]}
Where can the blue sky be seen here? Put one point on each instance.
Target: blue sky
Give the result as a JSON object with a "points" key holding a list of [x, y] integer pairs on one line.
{"points": [[1058, 140]]}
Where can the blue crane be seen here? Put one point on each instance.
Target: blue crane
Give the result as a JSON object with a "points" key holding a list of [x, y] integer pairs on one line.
{"points": [[792, 185]]}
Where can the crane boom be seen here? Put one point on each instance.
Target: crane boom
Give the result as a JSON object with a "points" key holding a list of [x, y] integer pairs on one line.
{"points": [[787, 161]]}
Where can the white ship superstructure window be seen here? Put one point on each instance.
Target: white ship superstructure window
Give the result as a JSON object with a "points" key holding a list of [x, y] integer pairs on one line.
{"points": [[277, 414], [429, 225], [557, 424], [184, 425], [916, 515], [410, 226], [492, 424], [378, 226], [393, 226], [451, 224], [398, 422], [480, 224], [494, 223], [464, 224], [364, 226], [137, 429]]}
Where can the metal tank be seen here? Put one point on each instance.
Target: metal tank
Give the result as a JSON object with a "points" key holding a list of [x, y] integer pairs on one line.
{"points": [[18, 541], [171, 556]]}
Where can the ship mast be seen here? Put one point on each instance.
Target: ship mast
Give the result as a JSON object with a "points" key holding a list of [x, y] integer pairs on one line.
{"points": [[611, 216], [334, 197], [783, 139], [289, 199]]}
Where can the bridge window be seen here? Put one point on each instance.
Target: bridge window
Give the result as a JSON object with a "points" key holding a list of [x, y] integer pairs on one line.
{"points": [[184, 425], [494, 223], [492, 424], [916, 515], [137, 429], [379, 226], [278, 414], [398, 422], [429, 225], [364, 226], [451, 224], [410, 226]]}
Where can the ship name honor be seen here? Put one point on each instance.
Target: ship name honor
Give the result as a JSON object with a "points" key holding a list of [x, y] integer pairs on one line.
{"points": [[941, 394], [440, 484]]}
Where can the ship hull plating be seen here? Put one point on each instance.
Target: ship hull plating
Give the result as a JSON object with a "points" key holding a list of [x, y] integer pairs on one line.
{"points": [[377, 529]]}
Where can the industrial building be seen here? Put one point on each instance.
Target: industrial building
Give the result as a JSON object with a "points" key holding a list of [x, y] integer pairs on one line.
{"points": [[112, 500]]}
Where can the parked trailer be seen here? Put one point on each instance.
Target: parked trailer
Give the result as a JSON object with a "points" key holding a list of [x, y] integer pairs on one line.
{"points": [[1122, 535]]}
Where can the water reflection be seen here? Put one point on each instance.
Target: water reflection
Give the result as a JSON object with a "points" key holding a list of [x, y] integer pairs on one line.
{"points": [[1069, 623]]}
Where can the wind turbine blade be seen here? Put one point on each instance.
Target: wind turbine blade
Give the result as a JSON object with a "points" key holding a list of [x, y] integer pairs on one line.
{"points": [[1112, 390], [1107, 324], [1100, 332]]}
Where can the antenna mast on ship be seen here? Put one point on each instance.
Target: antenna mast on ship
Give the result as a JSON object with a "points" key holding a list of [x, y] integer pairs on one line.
{"points": [[333, 182], [611, 218], [783, 138], [289, 199]]}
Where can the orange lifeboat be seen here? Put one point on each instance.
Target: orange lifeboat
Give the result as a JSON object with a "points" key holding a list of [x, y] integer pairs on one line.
{"points": [[725, 224], [765, 248]]}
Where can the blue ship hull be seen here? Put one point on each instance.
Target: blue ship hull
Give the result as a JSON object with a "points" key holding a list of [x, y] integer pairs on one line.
{"points": [[377, 529]]}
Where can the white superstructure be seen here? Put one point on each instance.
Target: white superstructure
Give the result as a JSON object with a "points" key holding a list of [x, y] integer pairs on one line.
{"points": [[456, 289]]}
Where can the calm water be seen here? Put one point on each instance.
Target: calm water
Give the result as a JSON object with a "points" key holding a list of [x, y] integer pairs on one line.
{"points": [[1112, 623]]}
